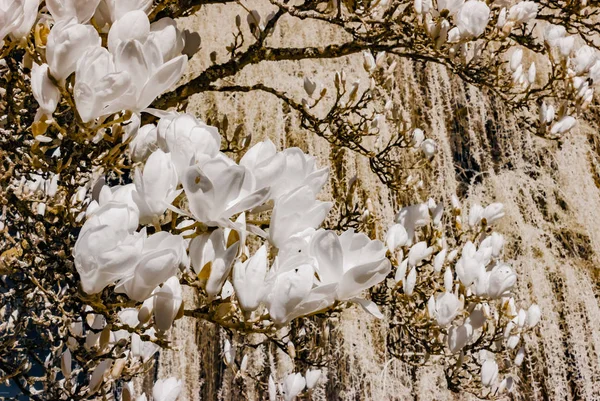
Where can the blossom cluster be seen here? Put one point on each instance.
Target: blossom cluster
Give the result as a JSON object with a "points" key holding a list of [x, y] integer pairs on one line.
{"points": [[462, 290]]}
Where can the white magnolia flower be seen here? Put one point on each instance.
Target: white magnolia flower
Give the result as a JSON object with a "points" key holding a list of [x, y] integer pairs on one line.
{"points": [[501, 281], [106, 249], [584, 59], [438, 261], [293, 384], [413, 217], [396, 237], [408, 285], [515, 59], [565, 124], [523, 11], [162, 254], [169, 38], [97, 377], [167, 301], [67, 42], [312, 377], [451, 5], [156, 187], [295, 212], [470, 268], [534, 315], [144, 142], [283, 171], [185, 138], [81, 10], [44, 91], [217, 189], [493, 213], [100, 89], [11, 17], [447, 307], [249, 280], [459, 336], [29, 16], [418, 252], [429, 148], [212, 258], [167, 390], [140, 54], [489, 372], [351, 262], [472, 18], [143, 350], [109, 11]]}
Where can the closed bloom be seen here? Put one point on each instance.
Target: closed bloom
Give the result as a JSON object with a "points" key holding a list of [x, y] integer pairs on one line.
{"points": [[352, 261], [141, 55], [489, 372], [418, 252], [185, 138], [534, 315], [161, 257], [446, 308], [81, 10], [395, 237], [100, 89], [249, 280], [144, 143], [584, 59], [523, 11], [295, 212], [451, 5], [459, 336], [312, 377], [428, 147], [156, 188], [167, 301], [565, 124], [67, 41], [291, 284], [212, 258], [493, 212], [293, 384], [11, 16], [109, 11], [44, 91], [217, 189], [106, 249], [472, 18], [501, 281], [29, 16], [166, 390]]}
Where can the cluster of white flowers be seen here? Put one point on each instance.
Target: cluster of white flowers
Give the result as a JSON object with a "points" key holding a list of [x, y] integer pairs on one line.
{"points": [[466, 288]]}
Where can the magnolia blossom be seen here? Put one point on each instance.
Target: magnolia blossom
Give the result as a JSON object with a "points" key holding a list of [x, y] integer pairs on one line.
{"points": [[142, 55], [217, 189], [523, 11], [283, 171], [565, 124], [106, 249], [459, 337], [293, 384], [161, 256], [446, 308], [351, 262], [29, 16], [156, 188], [45, 92], [295, 212], [212, 257], [81, 10], [100, 89], [67, 42], [501, 280], [249, 280], [472, 19], [396, 237], [413, 217], [167, 390], [312, 377], [489, 372], [144, 142], [167, 302], [109, 11], [186, 138]]}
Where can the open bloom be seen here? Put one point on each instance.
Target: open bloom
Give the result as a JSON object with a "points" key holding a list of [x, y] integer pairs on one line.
{"points": [[99, 87], [166, 390], [161, 256], [501, 280], [156, 188], [107, 250], [413, 217], [142, 56], [217, 189], [294, 212], [27, 15], [352, 262], [109, 11], [67, 41], [185, 137], [523, 11], [446, 308], [293, 384]]}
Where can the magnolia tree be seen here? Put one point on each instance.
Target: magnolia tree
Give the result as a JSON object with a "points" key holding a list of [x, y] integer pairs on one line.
{"points": [[115, 202]]}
